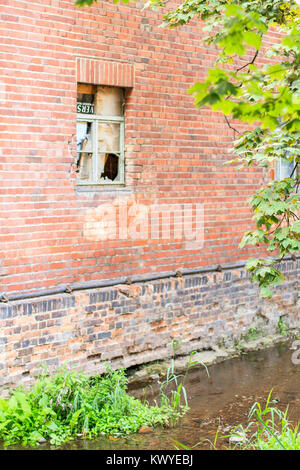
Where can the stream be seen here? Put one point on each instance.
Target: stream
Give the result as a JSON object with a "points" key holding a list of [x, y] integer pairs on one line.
{"points": [[222, 399]]}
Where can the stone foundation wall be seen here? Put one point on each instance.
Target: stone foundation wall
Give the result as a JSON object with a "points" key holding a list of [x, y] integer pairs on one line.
{"points": [[133, 324]]}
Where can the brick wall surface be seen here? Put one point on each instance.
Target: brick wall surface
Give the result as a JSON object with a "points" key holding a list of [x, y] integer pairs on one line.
{"points": [[132, 324], [174, 153]]}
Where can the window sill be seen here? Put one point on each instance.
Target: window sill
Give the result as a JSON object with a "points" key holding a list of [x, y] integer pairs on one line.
{"points": [[105, 188]]}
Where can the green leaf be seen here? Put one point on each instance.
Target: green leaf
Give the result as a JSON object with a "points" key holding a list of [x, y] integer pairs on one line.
{"points": [[266, 292], [252, 39]]}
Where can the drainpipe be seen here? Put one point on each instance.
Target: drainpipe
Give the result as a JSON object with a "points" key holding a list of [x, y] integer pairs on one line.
{"points": [[124, 280]]}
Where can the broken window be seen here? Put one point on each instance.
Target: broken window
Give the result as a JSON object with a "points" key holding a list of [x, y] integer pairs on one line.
{"points": [[100, 135]]}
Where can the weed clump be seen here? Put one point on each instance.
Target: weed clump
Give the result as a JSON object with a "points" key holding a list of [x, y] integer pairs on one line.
{"points": [[272, 429], [69, 405]]}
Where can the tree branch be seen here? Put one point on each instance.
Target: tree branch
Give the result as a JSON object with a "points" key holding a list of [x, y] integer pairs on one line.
{"points": [[249, 63], [230, 126], [237, 70], [294, 169]]}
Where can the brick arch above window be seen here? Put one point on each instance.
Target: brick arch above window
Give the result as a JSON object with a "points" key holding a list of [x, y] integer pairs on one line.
{"points": [[104, 72]]}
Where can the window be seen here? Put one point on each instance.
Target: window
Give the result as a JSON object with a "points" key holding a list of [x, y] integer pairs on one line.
{"points": [[100, 135], [284, 169]]}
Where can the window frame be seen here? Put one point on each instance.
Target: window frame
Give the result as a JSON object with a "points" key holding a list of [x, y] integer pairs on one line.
{"points": [[94, 119]]}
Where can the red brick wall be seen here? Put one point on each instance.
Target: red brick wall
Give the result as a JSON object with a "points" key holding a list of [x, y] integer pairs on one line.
{"points": [[174, 153]]}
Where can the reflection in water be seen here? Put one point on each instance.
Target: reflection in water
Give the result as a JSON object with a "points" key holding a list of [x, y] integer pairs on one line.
{"points": [[225, 397]]}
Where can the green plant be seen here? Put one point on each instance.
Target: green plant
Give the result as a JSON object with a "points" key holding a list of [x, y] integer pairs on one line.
{"points": [[172, 390], [180, 445], [282, 327], [252, 334], [269, 429], [177, 343], [237, 345], [71, 404]]}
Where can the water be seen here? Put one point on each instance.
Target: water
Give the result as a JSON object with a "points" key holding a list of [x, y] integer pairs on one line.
{"points": [[224, 398]]}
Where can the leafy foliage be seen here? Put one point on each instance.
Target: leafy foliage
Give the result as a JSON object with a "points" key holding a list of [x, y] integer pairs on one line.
{"points": [[71, 404]]}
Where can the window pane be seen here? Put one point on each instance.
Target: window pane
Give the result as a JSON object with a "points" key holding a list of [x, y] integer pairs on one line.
{"points": [[108, 167], [85, 99], [284, 169], [109, 101], [84, 136], [108, 137], [85, 166], [84, 150]]}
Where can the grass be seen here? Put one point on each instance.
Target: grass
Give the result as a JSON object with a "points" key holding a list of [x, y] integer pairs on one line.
{"points": [[70, 404], [269, 428], [172, 390]]}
